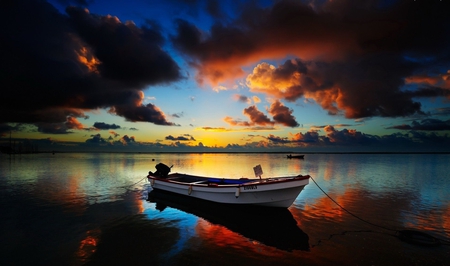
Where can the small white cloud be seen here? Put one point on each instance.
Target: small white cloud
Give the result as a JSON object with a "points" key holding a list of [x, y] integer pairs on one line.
{"points": [[219, 88]]}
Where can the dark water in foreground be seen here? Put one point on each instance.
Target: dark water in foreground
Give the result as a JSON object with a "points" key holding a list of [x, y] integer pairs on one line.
{"points": [[96, 209]]}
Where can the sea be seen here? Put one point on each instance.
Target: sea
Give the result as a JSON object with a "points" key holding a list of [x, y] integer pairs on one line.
{"points": [[99, 209]]}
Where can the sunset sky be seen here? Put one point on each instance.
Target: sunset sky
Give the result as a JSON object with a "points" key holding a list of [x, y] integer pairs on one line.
{"points": [[210, 75]]}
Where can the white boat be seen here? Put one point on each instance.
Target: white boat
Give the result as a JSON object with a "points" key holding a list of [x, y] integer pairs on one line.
{"points": [[272, 192]]}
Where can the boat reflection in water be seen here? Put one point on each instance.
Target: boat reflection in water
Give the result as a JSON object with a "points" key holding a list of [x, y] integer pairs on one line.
{"points": [[270, 226]]}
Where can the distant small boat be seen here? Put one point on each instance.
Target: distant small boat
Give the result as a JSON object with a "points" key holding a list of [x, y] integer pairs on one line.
{"points": [[271, 192], [290, 156]]}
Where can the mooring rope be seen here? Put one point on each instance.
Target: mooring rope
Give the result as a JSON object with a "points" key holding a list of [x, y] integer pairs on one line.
{"points": [[134, 183], [411, 236], [357, 217]]}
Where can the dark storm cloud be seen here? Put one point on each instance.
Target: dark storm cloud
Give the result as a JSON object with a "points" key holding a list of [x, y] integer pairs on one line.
{"points": [[357, 90], [236, 122], [278, 140], [353, 138], [282, 114], [336, 125], [332, 137], [75, 2], [443, 111], [426, 125], [54, 63], [96, 139], [257, 117], [66, 127], [353, 56], [104, 126], [113, 134], [126, 140], [185, 137], [213, 8], [310, 136], [142, 113], [347, 136], [242, 98], [128, 53], [178, 115]]}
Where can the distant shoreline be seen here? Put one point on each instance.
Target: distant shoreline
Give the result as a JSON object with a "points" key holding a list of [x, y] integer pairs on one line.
{"points": [[228, 152]]}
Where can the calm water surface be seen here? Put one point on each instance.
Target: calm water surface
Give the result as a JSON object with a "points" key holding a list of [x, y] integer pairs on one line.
{"points": [[98, 209]]}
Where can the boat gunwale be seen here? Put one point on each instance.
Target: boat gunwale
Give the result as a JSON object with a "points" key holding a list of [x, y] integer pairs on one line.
{"points": [[212, 184]]}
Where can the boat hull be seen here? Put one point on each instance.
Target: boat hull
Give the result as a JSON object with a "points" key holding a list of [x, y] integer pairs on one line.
{"points": [[272, 192]]}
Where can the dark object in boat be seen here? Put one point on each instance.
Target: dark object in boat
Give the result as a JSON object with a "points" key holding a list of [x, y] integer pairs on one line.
{"points": [[162, 170]]}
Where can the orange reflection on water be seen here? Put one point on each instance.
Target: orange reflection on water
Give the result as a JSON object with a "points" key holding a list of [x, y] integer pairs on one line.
{"points": [[326, 208], [351, 199], [328, 171], [431, 222], [64, 191], [223, 237], [446, 223], [139, 203], [218, 234], [88, 245]]}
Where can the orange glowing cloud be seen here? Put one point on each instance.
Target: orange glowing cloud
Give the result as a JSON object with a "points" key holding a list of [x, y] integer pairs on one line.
{"points": [[330, 100], [220, 68], [88, 59], [214, 73], [290, 81], [295, 79], [126, 140], [73, 123], [442, 80], [303, 139], [257, 118], [214, 129], [234, 122], [337, 90], [288, 28], [264, 79], [280, 113], [61, 120], [344, 55], [114, 133]]}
